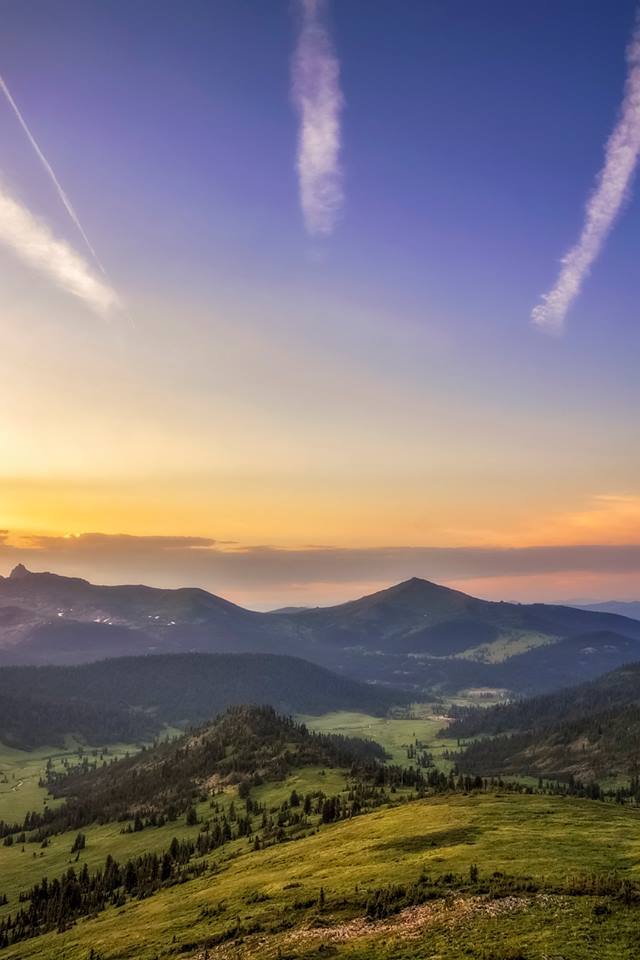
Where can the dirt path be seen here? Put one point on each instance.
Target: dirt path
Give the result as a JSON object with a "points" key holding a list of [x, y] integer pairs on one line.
{"points": [[408, 924]]}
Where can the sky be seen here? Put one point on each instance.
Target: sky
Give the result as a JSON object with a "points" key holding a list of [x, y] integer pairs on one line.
{"points": [[269, 330]]}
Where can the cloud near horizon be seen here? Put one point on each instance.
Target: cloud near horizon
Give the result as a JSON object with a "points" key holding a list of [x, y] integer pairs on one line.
{"points": [[318, 99], [604, 205], [246, 571]]}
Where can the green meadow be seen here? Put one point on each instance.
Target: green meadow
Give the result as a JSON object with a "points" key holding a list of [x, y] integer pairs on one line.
{"points": [[306, 897], [395, 734], [510, 643], [21, 771], [275, 891]]}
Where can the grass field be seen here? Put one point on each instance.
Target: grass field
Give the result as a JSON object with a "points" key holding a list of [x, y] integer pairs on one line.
{"points": [[21, 771], [509, 644], [536, 836], [22, 865], [264, 904], [19, 775], [393, 733]]}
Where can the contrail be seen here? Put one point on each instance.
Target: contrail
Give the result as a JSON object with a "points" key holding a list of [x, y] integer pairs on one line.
{"points": [[35, 244], [319, 101], [621, 157], [49, 169]]}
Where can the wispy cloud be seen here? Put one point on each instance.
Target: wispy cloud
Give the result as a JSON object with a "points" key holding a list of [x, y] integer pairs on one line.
{"points": [[319, 101], [51, 173], [204, 561], [33, 241], [621, 157]]}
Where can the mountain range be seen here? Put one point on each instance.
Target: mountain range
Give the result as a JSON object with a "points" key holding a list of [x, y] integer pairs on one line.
{"points": [[416, 634]]}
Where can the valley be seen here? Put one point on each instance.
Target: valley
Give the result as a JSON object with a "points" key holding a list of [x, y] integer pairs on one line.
{"points": [[396, 734], [257, 804], [22, 770], [453, 869]]}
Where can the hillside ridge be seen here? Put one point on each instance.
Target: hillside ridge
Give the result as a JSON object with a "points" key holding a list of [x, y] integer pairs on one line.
{"points": [[589, 732]]}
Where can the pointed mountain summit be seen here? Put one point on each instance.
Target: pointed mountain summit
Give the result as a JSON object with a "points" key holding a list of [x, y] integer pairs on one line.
{"points": [[416, 595], [420, 618], [416, 633]]}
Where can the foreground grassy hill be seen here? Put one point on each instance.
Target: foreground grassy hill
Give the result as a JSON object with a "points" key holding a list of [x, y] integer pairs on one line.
{"points": [[327, 854], [269, 903]]}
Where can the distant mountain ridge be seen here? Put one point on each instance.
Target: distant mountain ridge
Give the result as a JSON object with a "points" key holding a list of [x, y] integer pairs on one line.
{"points": [[623, 608], [57, 619], [417, 634]]}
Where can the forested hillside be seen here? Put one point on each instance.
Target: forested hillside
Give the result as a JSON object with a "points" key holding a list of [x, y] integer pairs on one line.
{"points": [[244, 743], [132, 698], [30, 721], [591, 731]]}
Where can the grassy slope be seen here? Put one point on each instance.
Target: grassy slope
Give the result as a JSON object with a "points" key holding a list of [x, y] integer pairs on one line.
{"points": [[509, 643], [20, 869], [537, 836]]}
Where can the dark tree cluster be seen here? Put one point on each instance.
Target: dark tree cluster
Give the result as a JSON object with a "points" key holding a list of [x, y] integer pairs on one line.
{"points": [[420, 755], [130, 699], [27, 721], [57, 904]]}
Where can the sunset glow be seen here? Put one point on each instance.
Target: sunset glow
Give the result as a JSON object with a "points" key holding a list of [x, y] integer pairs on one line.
{"points": [[373, 388]]}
